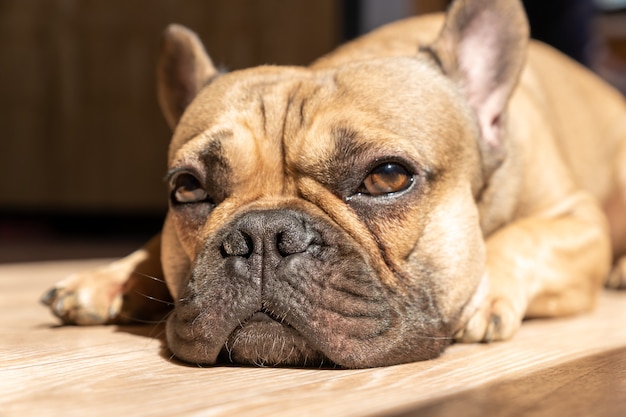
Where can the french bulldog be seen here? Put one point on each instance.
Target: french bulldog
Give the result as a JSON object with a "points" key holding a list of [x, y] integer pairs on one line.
{"points": [[437, 180]]}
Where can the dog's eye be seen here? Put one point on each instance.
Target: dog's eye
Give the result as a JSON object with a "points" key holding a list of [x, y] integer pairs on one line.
{"points": [[385, 179], [187, 189]]}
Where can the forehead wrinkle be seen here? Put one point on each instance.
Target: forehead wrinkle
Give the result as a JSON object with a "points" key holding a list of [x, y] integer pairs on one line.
{"points": [[304, 137], [255, 153], [262, 111], [288, 111], [283, 107], [203, 144]]}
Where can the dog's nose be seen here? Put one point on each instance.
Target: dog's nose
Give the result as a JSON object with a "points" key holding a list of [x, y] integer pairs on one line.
{"points": [[269, 233]]}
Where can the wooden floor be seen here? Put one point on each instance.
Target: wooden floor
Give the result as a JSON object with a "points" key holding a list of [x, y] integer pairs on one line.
{"points": [[567, 367]]}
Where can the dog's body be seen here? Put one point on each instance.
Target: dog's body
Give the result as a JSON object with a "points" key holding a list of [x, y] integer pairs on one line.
{"points": [[403, 191]]}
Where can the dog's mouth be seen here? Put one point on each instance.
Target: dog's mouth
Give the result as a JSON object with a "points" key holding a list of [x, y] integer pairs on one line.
{"points": [[256, 296], [265, 339]]}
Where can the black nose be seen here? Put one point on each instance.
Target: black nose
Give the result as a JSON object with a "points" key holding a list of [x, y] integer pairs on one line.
{"points": [[268, 233]]}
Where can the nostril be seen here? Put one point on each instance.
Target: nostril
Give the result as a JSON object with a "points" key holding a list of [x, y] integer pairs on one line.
{"points": [[237, 243], [292, 242], [269, 234], [284, 245]]}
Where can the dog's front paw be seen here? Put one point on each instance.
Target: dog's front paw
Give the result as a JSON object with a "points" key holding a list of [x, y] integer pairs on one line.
{"points": [[495, 320], [617, 278], [86, 298]]}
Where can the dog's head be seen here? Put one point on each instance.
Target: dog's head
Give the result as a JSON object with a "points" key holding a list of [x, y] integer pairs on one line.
{"points": [[331, 214]]}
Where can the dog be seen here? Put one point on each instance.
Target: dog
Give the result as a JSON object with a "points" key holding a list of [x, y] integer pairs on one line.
{"points": [[439, 179]]}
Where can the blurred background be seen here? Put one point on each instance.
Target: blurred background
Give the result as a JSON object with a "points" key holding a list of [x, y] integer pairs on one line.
{"points": [[82, 141]]}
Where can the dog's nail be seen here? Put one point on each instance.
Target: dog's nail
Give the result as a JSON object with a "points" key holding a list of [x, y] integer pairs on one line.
{"points": [[493, 328], [116, 306], [49, 297]]}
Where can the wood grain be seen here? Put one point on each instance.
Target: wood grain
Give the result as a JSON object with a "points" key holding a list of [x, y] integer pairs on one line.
{"points": [[552, 367], [591, 386]]}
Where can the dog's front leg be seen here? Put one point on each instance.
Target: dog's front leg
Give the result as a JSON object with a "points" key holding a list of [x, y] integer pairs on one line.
{"points": [[125, 291], [551, 264]]}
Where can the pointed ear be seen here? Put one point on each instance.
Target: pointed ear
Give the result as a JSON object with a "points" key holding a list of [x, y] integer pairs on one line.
{"points": [[482, 47], [183, 69]]}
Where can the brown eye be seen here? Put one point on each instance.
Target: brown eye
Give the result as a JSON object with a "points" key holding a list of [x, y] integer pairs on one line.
{"points": [[187, 189], [386, 179]]}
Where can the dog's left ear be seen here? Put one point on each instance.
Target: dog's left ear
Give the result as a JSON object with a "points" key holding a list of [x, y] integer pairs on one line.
{"points": [[482, 47], [184, 68]]}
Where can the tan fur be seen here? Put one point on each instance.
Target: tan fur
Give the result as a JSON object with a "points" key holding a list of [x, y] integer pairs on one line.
{"points": [[517, 212]]}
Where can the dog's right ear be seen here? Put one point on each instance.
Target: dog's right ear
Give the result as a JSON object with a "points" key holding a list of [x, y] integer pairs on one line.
{"points": [[183, 69]]}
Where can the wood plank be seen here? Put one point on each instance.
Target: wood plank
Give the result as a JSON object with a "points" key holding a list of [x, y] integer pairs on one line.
{"points": [[590, 386], [50, 370]]}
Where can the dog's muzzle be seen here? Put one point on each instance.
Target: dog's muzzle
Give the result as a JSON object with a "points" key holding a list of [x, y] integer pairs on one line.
{"points": [[285, 287]]}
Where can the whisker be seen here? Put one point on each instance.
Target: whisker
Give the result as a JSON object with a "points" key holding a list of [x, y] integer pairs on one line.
{"points": [[230, 352], [150, 276], [149, 297], [435, 337]]}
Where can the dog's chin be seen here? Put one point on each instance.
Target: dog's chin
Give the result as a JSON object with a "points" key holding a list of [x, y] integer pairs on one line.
{"points": [[266, 341]]}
